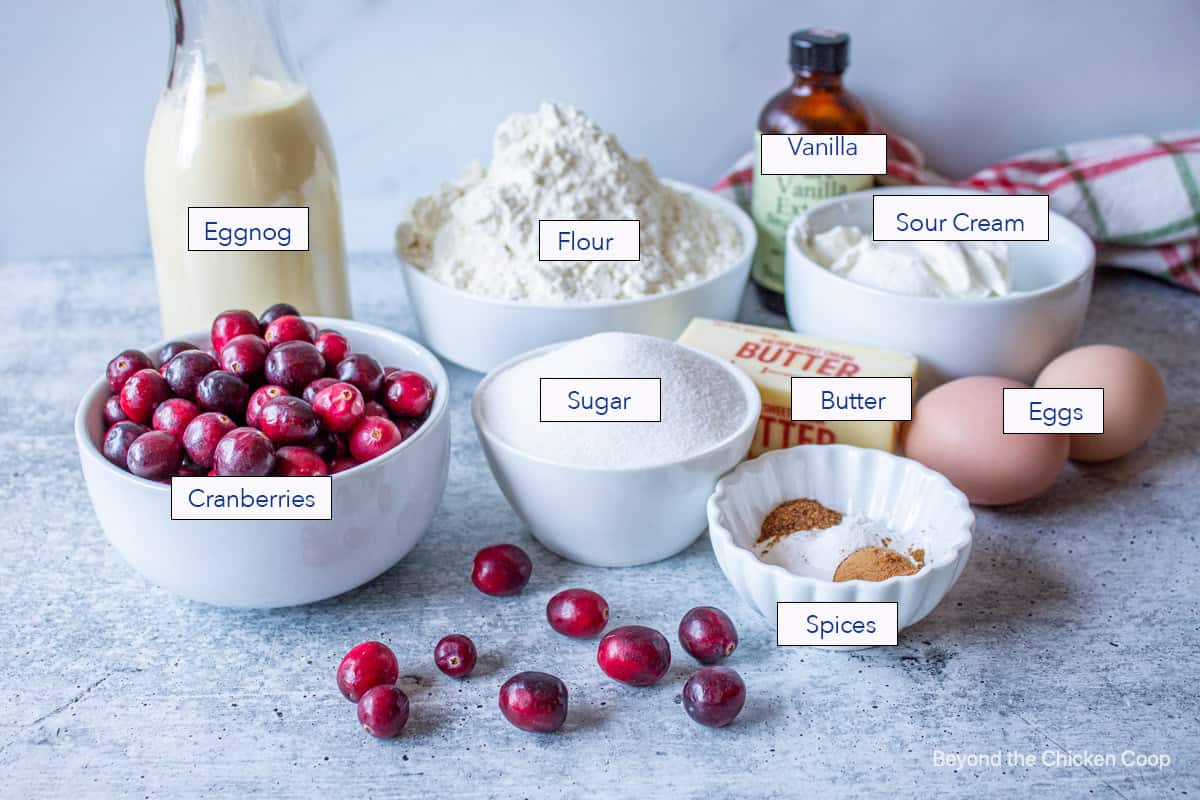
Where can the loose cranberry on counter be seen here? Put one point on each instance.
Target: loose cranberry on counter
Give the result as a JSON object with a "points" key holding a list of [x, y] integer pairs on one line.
{"points": [[362, 371], [124, 365], [310, 392], [229, 324], [708, 634], [333, 348], [112, 411], [372, 437], [117, 439], [275, 312], [259, 398], [578, 613], [141, 394], [288, 328], [184, 371], [298, 462], [244, 356], [714, 696], [534, 701], [367, 665], [374, 409], [288, 420], [383, 711], [294, 365], [341, 464], [340, 407], [155, 456], [501, 569], [244, 452], [174, 415], [634, 654], [202, 434], [455, 655], [172, 349], [223, 392], [407, 394]]}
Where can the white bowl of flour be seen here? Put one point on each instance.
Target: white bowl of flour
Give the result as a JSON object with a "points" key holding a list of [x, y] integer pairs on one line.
{"points": [[470, 260]]}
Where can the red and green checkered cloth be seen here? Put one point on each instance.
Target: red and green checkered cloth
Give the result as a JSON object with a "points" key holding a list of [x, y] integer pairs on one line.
{"points": [[1138, 197]]}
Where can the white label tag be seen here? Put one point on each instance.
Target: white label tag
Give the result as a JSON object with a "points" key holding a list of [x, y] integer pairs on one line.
{"points": [[252, 498], [244, 228], [844, 399], [837, 624], [824, 154], [1054, 411], [601, 399], [589, 240], [960, 218]]}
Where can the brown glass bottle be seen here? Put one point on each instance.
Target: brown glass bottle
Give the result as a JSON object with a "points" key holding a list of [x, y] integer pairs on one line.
{"points": [[816, 102]]}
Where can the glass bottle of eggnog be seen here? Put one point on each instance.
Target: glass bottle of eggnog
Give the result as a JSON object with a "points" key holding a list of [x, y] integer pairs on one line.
{"points": [[816, 102], [236, 126]]}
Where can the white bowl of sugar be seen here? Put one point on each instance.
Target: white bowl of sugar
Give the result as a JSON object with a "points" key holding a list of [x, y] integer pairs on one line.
{"points": [[616, 494]]}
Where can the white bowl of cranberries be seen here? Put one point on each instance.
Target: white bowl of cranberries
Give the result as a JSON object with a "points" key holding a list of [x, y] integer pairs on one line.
{"points": [[272, 395]]}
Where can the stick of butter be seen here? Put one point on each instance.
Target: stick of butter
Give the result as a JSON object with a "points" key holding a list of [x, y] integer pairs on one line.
{"points": [[772, 357]]}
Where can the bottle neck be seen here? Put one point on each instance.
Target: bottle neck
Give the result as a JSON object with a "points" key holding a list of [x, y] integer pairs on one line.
{"points": [[809, 80], [227, 42]]}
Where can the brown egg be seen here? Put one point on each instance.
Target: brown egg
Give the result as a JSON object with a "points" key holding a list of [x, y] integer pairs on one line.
{"points": [[1134, 397], [958, 430]]}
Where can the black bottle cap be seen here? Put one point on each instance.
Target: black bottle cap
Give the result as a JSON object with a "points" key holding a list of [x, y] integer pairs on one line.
{"points": [[820, 50]]}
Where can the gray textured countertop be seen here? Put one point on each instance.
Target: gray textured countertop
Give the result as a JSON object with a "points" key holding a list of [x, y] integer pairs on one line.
{"points": [[1076, 626]]}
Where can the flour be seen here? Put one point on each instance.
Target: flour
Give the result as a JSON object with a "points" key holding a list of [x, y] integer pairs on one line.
{"points": [[480, 233], [702, 403]]}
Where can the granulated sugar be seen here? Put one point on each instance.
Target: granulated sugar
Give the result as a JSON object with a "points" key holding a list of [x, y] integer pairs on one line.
{"points": [[702, 403]]}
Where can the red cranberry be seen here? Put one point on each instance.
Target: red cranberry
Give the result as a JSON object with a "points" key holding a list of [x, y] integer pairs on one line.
{"points": [[327, 445], [372, 437], [407, 426], [407, 394], [261, 396], [455, 655], [362, 371], [244, 356], [112, 411], [117, 439], [124, 365], [501, 569], [298, 462], [229, 324], [202, 434], [224, 392], [374, 409], [172, 349], [190, 469], [244, 452], [708, 634], [333, 348], [174, 415], [366, 665], [534, 701], [288, 328], [184, 371], [634, 654], [275, 312], [141, 394], [341, 464], [714, 696], [294, 365], [340, 407], [579, 613], [383, 711], [155, 456], [288, 420], [310, 392]]}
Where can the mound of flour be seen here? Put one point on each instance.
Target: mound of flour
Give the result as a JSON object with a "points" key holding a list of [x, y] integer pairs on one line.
{"points": [[480, 233]]}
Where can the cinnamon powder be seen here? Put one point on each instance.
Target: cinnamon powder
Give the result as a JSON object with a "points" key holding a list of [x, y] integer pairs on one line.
{"points": [[878, 564], [801, 514]]}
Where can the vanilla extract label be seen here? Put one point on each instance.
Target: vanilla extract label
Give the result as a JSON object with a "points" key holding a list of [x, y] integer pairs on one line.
{"points": [[824, 154]]}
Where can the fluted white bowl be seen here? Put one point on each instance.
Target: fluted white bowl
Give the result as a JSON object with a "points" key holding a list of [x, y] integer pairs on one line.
{"points": [[894, 491]]}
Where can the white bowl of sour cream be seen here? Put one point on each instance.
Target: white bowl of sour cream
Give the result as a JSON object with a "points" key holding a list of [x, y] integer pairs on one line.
{"points": [[963, 308]]}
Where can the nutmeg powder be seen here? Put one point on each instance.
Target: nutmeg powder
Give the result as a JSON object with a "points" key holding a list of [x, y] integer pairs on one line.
{"points": [[878, 564], [801, 514]]}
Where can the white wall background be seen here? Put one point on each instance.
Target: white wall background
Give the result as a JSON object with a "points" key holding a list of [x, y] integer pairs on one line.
{"points": [[411, 91]]}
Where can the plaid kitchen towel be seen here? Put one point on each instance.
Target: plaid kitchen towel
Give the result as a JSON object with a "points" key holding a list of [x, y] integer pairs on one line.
{"points": [[1138, 197]]}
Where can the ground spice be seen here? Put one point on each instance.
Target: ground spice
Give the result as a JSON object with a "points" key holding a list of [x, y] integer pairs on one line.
{"points": [[878, 564], [801, 514]]}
